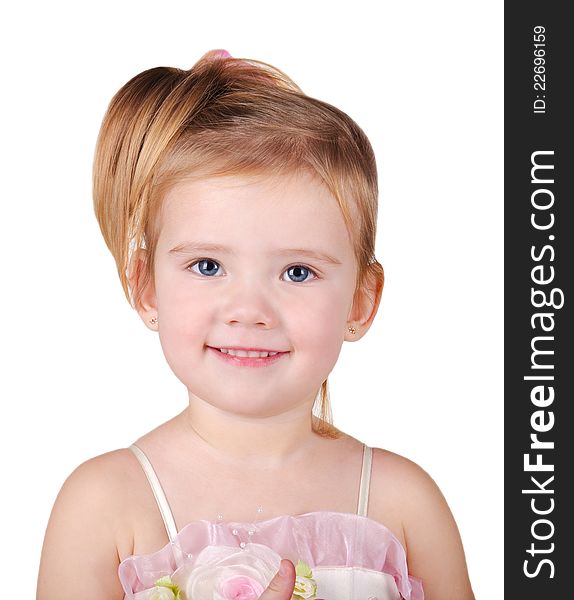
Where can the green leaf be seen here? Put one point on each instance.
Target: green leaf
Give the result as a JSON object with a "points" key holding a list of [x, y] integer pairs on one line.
{"points": [[303, 569]]}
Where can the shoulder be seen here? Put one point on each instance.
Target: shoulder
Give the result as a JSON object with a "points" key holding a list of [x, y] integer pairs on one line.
{"points": [[101, 477], [116, 463], [397, 479], [404, 491], [397, 485], [87, 528], [407, 496], [99, 489]]}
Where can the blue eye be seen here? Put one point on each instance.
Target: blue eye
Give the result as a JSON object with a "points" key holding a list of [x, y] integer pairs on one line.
{"points": [[206, 266], [299, 273]]}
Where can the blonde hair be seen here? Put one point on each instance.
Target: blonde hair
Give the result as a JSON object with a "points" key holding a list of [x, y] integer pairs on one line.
{"points": [[225, 116]]}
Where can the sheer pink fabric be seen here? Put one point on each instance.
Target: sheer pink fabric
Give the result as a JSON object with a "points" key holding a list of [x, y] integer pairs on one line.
{"points": [[367, 560]]}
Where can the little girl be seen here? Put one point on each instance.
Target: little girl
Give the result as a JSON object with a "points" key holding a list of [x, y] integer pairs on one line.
{"points": [[241, 214]]}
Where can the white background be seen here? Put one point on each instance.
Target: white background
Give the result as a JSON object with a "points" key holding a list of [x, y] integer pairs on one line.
{"points": [[82, 375]]}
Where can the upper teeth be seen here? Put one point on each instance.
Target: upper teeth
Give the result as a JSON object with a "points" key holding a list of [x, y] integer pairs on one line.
{"points": [[247, 353]]}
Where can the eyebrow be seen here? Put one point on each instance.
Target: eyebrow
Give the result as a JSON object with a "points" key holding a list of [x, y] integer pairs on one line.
{"points": [[190, 247]]}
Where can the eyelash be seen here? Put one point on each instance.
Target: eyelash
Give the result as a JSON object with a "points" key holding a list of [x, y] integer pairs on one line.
{"points": [[309, 269]]}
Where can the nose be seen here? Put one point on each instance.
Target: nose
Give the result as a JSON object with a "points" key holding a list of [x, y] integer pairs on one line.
{"points": [[249, 303]]}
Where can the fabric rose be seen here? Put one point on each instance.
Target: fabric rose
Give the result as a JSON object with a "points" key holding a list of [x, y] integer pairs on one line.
{"points": [[305, 585], [228, 573]]}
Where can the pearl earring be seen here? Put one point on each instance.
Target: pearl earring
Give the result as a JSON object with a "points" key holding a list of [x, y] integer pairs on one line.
{"points": [[352, 330]]}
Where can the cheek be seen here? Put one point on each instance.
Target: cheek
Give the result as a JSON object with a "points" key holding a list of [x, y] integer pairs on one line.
{"points": [[181, 320], [320, 326], [179, 303]]}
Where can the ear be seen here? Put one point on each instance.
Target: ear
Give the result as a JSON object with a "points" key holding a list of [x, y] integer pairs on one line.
{"points": [[365, 303], [143, 289]]}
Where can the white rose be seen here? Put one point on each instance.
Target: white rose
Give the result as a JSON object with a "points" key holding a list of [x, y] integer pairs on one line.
{"points": [[155, 593], [226, 572], [305, 588]]}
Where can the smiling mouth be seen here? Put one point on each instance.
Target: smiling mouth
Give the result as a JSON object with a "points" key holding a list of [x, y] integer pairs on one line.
{"points": [[248, 356], [248, 353]]}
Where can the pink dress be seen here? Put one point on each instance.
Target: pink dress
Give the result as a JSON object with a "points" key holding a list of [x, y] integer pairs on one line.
{"points": [[339, 556]]}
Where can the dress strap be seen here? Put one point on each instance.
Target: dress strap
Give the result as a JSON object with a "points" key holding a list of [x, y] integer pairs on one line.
{"points": [[363, 504], [158, 492]]}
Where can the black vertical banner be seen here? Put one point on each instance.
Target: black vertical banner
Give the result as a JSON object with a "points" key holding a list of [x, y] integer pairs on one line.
{"points": [[539, 271]]}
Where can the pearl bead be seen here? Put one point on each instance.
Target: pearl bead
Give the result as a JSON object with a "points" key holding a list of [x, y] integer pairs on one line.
{"points": [[234, 532], [242, 544]]}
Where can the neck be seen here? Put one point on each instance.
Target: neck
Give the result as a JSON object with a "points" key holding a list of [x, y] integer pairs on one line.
{"points": [[233, 440]]}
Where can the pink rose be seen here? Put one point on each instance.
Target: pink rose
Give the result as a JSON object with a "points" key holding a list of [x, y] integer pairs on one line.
{"points": [[241, 587], [228, 573]]}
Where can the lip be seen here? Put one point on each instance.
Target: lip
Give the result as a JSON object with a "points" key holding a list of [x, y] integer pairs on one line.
{"points": [[248, 361]]}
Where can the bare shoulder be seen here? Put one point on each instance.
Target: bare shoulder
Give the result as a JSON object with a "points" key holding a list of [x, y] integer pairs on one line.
{"points": [[396, 468], [102, 486], [113, 466], [407, 498], [87, 529], [398, 480]]}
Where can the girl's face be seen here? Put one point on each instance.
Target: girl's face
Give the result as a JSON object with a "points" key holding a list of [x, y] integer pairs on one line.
{"points": [[252, 263]]}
